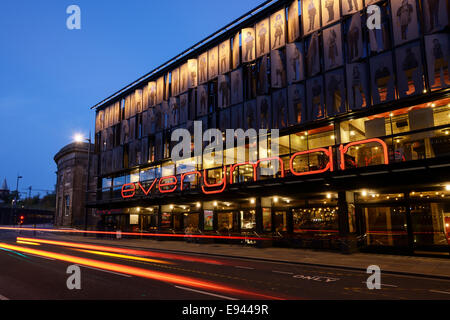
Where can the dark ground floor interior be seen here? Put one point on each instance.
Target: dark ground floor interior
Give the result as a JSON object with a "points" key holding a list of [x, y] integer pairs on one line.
{"points": [[366, 220]]}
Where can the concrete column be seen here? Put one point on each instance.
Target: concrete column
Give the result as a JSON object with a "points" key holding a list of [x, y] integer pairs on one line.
{"points": [[259, 216]]}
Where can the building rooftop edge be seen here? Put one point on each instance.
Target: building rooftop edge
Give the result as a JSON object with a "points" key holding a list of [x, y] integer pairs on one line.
{"points": [[229, 28]]}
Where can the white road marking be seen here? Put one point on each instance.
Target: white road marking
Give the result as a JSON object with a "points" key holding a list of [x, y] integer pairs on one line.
{"points": [[3, 297], [117, 273], [242, 267], [207, 293], [437, 291], [282, 272], [385, 285]]}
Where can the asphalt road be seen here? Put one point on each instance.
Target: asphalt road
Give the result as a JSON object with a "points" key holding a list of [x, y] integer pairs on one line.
{"points": [[167, 276]]}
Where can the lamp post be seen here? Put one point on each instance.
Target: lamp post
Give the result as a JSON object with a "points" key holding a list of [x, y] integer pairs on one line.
{"points": [[16, 198], [79, 138]]}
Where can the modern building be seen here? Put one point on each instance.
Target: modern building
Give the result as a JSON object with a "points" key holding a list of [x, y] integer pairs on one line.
{"points": [[72, 162], [363, 112]]}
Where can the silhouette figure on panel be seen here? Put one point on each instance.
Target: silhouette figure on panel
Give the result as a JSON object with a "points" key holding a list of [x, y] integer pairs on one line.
{"points": [[329, 4], [203, 102], [440, 63], [262, 38], [353, 37], [334, 92], [278, 30], [203, 75], [298, 104], [332, 48], [223, 58], [249, 41], [382, 79], [295, 63], [409, 67], [317, 105], [224, 89], [357, 88], [350, 6], [311, 15], [212, 66], [433, 13], [404, 16]]}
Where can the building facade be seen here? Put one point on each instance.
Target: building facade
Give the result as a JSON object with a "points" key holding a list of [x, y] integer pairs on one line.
{"points": [[363, 112], [72, 162]]}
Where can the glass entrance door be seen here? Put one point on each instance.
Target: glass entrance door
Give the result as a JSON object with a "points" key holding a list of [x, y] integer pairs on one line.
{"points": [[430, 225], [280, 221], [385, 226]]}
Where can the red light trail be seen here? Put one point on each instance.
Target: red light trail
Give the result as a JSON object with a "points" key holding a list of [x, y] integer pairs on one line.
{"points": [[139, 272]]}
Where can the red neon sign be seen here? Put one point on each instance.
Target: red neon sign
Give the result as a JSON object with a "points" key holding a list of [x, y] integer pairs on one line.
{"points": [[343, 150], [129, 189], [167, 184], [206, 184], [329, 166]]}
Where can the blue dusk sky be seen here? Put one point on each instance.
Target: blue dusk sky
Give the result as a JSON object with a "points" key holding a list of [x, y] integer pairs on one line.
{"points": [[50, 76]]}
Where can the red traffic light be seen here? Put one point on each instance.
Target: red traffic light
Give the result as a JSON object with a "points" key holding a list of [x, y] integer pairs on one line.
{"points": [[22, 217]]}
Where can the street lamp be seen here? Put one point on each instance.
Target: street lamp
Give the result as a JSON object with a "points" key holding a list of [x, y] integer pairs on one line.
{"points": [[16, 197], [78, 138]]}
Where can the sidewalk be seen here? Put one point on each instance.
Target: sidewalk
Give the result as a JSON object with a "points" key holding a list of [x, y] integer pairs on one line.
{"points": [[408, 265]]}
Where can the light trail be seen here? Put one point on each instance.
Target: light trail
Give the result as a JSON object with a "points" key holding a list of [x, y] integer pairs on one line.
{"points": [[28, 242], [144, 273], [122, 250], [141, 234], [123, 256]]}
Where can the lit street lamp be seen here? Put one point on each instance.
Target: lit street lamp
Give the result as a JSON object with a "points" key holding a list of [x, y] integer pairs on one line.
{"points": [[78, 138]]}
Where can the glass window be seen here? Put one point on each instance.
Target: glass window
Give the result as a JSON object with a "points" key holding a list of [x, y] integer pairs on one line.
{"points": [[147, 174], [299, 142], [319, 220], [280, 221], [386, 226], [225, 221], [321, 137], [191, 222], [106, 183], [134, 176], [67, 205], [168, 169], [186, 165], [441, 112], [365, 128], [210, 160], [283, 145], [248, 219], [267, 219]]}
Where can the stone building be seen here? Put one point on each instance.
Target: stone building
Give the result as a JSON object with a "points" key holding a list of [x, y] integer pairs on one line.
{"points": [[72, 162]]}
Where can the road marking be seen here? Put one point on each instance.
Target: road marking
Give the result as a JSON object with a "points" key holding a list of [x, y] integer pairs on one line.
{"points": [[207, 293], [437, 291], [242, 267], [282, 272], [117, 273], [385, 285], [315, 278], [35, 255], [3, 297]]}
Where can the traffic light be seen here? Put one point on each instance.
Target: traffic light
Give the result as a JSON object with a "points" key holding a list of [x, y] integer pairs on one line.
{"points": [[21, 220]]}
